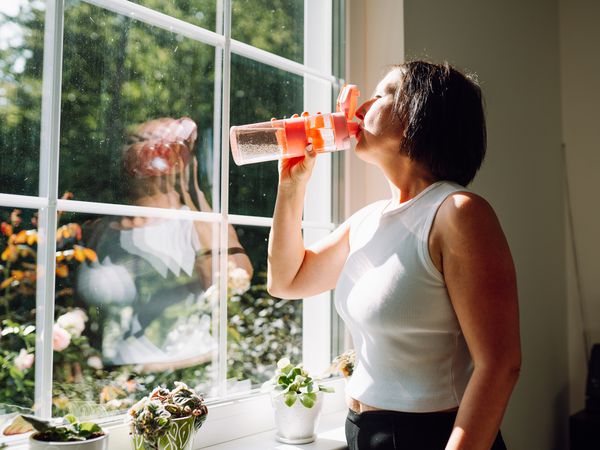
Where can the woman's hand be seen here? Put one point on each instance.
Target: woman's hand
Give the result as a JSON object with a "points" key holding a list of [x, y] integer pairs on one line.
{"points": [[295, 172]]}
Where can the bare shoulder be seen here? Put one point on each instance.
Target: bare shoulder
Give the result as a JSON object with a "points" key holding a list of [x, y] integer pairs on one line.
{"points": [[467, 225], [465, 211]]}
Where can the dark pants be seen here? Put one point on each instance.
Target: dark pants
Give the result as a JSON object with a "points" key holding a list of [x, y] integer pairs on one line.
{"points": [[392, 430]]}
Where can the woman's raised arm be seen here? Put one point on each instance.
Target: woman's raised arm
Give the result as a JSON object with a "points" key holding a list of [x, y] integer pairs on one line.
{"points": [[294, 271]]}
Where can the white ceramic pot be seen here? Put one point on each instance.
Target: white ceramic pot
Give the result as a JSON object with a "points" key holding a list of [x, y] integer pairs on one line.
{"points": [[99, 443], [296, 424]]}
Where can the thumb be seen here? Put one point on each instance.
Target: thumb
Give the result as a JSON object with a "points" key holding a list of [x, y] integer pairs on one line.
{"points": [[310, 154]]}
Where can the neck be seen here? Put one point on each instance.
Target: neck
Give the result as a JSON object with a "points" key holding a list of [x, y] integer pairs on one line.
{"points": [[407, 179], [168, 199]]}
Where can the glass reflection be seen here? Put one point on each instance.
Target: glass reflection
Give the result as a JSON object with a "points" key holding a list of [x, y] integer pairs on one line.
{"points": [[140, 307]]}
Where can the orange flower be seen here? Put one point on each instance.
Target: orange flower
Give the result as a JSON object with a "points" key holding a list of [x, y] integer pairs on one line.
{"points": [[62, 270], [32, 237], [84, 252], [10, 253], [78, 253], [68, 231], [6, 229], [7, 282]]}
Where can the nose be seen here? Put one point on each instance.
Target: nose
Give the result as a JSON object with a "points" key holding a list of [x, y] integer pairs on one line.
{"points": [[362, 109]]}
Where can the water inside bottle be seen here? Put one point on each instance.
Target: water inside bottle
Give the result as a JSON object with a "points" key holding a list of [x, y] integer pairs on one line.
{"points": [[258, 144]]}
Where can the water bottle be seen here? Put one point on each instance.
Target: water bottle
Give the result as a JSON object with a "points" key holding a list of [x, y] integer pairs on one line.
{"points": [[287, 138]]}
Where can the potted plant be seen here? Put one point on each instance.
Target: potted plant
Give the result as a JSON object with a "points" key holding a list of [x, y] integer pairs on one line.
{"points": [[68, 434], [297, 400], [167, 420]]}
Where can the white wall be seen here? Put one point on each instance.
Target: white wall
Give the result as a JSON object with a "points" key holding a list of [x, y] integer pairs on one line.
{"points": [[580, 83], [513, 47], [376, 40]]}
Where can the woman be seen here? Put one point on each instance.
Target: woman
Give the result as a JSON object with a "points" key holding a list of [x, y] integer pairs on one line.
{"points": [[425, 281]]}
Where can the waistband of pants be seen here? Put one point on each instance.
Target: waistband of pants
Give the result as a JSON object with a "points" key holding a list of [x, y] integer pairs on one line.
{"points": [[357, 417]]}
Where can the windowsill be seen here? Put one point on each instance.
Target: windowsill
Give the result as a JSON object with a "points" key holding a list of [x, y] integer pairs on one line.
{"points": [[330, 436], [244, 423]]}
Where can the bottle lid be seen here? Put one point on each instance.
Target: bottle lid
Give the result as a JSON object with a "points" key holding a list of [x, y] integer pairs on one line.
{"points": [[347, 100]]}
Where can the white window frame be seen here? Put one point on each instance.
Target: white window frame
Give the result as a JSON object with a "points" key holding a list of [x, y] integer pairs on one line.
{"points": [[252, 409]]}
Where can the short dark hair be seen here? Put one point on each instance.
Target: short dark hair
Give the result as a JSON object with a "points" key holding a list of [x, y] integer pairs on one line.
{"points": [[442, 119]]}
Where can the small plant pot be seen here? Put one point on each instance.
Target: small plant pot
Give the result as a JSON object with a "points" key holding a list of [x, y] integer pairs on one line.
{"points": [[296, 424], [99, 443], [179, 437]]}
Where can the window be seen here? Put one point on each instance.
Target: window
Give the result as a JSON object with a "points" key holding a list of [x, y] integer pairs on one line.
{"points": [[119, 212]]}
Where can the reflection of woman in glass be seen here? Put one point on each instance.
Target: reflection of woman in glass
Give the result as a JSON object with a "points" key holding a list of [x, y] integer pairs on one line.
{"points": [[153, 274]]}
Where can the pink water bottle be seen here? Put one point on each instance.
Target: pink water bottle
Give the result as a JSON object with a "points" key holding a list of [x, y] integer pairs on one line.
{"points": [[286, 138]]}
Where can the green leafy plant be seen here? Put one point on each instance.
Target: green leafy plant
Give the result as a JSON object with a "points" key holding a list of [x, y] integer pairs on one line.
{"points": [[68, 430], [152, 416], [293, 382]]}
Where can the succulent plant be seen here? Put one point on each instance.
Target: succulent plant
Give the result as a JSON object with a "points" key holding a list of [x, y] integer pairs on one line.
{"points": [[67, 430], [152, 416]]}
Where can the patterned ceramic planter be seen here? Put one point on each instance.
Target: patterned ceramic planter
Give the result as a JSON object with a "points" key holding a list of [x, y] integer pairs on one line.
{"points": [[296, 424], [179, 437]]}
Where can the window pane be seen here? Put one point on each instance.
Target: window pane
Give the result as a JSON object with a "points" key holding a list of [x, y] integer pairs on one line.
{"points": [[18, 245], [276, 26], [262, 329], [136, 306], [258, 93], [126, 85], [21, 61], [198, 12]]}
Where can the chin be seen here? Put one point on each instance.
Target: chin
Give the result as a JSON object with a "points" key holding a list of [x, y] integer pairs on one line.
{"points": [[361, 151]]}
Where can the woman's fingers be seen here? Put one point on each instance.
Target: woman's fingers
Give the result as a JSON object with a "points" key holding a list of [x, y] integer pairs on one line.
{"points": [[297, 169]]}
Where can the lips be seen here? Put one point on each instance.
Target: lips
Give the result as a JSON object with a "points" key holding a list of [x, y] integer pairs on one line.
{"points": [[359, 134]]}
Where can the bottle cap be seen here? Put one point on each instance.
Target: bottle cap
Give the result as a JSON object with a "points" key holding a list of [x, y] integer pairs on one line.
{"points": [[347, 100]]}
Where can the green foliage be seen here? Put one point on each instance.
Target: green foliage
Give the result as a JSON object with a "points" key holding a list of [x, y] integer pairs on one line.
{"points": [[69, 430], [262, 329], [294, 383]]}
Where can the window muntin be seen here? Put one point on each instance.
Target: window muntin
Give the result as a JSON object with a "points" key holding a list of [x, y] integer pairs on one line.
{"points": [[21, 50], [221, 115], [276, 26], [202, 13]]}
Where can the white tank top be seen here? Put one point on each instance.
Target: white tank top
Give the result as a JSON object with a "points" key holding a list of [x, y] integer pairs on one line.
{"points": [[411, 354]]}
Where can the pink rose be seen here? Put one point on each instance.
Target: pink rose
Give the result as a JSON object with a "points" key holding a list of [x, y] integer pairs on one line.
{"points": [[24, 360], [60, 338]]}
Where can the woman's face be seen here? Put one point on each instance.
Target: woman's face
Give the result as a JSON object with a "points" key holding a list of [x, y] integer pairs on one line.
{"points": [[380, 134]]}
